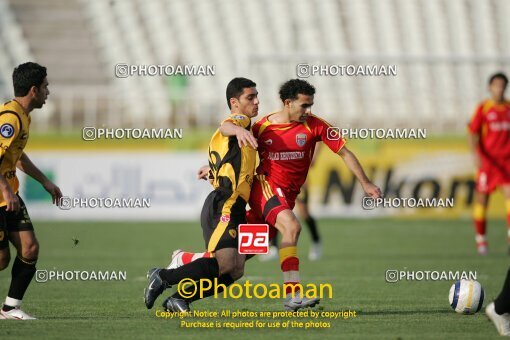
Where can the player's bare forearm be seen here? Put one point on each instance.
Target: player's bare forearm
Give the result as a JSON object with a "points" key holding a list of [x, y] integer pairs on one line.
{"points": [[4, 186], [244, 137], [474, 140], [26, 165], [355, 166], [228, 129]]}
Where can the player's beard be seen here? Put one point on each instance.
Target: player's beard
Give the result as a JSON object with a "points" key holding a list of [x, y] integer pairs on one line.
{"points": [[40, 103]]}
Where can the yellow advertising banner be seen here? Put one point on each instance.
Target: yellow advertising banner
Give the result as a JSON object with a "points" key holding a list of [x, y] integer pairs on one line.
{"points": [[419, 178]]}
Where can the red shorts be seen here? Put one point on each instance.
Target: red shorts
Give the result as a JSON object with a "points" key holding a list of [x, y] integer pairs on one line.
{"points": [[492, 174], [267, 201]]}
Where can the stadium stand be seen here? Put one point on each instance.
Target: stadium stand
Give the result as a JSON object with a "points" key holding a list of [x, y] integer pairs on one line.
{"points": [[440, 76]]}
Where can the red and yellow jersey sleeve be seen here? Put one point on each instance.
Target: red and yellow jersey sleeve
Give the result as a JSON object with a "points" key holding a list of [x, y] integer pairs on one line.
{"points": [[323, 131], [260, 126]]}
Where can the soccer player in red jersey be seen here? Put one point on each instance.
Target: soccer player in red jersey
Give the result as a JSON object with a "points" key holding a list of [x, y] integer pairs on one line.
{"points": [[489, 137], [286, 143]]}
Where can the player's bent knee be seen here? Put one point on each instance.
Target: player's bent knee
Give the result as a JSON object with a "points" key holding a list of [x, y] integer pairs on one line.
{"points": [[4, 263], [287, 221], [227, 268], [239, 270], [237, 274], [226, 260], [31, 252], [292, 229], [226, 265]]}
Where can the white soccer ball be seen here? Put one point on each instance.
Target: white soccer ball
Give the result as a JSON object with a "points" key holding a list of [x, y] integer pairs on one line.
{"points": [[466, 296]]}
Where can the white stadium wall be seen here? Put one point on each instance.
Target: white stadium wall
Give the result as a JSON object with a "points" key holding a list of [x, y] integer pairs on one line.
{"points": [[167, 179]]}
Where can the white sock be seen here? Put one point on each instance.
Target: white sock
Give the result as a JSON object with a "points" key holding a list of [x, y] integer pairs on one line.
{"points": [[12, 302], [197, 256]]}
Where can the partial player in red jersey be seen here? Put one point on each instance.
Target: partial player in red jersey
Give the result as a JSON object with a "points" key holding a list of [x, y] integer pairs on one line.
{"points": [[489, 137]]}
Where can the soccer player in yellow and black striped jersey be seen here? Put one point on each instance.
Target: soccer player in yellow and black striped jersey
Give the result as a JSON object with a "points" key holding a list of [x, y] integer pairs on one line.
{"points": [[30, 91], [232, 159]]}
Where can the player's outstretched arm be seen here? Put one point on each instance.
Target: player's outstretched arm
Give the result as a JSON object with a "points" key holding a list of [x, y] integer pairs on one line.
{"points": [[26, 165], [354, 165], [244, 137]]}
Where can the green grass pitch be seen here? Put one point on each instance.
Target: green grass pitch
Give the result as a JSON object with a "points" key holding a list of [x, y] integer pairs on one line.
{"points": [[357, 254]]}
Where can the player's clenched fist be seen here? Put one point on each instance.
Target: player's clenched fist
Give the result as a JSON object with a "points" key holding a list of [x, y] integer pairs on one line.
{"points": [[372, 190]]}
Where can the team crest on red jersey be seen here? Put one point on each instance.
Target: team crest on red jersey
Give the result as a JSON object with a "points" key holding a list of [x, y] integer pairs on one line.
{"points": [[301, 139]]}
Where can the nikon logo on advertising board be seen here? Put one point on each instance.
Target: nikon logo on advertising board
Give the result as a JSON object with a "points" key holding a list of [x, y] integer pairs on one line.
{"points": [[391, 186], [432, 170]]}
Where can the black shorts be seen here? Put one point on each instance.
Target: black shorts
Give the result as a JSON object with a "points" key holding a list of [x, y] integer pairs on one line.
{"points": [[221, 215], [11, 221]]}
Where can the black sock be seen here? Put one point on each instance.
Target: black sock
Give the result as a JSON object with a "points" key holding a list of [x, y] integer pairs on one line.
{"points": [[203, 268], [23, 271], [502, 302], [312, 226], [225, 279]]}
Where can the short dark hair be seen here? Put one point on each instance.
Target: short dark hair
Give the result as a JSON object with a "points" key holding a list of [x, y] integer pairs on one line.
{"points": [[293, 87], [27, 75], [499, 75], [236, 87]]}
